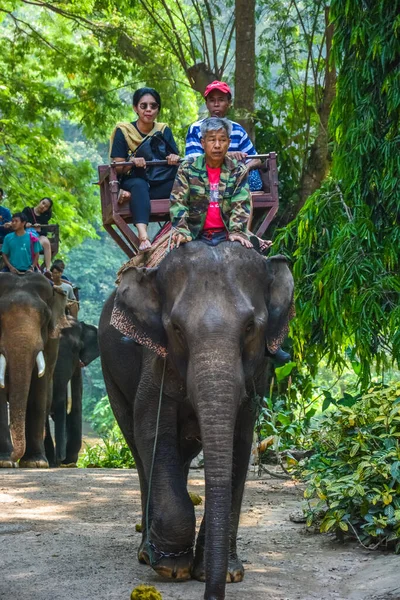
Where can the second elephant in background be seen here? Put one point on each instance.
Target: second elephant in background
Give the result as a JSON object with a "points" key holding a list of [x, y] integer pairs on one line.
{"points": [[78, 348]]}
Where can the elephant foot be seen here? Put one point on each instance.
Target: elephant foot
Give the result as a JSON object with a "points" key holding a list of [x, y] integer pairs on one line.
{"points": [[234, 574], [7, 463], [33, 462], [143, 555], [71, 465], [170, 565]]}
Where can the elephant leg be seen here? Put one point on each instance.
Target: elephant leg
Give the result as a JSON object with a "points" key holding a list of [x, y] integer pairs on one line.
{"points": [[169, 543], [122, 408], [241, 455], [6, 446], [60, 427], [35, 456], [74, 420], [49, 445]]}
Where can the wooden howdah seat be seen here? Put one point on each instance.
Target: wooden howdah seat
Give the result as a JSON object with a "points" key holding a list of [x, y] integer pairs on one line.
{"points": [[117, 217]]}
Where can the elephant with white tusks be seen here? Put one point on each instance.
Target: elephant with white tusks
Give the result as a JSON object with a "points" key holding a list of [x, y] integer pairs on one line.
{"points": [[32, 314]]}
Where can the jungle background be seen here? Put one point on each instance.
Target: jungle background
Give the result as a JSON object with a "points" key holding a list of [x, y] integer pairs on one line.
{"points": [[319, 83]]}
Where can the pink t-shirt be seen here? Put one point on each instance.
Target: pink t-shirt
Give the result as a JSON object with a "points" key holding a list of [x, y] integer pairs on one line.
{"points": [[213, 217]]}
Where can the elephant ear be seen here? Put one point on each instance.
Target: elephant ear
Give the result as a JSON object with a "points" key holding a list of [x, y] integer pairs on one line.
{"points": [[58, 319], [279, 301], [137, 309], [90, 346]]}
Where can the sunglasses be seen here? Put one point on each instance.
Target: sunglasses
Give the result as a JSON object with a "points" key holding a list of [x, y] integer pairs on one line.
{"points": [[144, 105]]}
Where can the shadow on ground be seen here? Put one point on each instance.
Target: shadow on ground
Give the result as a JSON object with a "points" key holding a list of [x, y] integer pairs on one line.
{"points": [[70, 535]]}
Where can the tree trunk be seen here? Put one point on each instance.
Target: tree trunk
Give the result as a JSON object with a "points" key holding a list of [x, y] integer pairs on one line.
{"points": [[245, 70], [319, 161]]}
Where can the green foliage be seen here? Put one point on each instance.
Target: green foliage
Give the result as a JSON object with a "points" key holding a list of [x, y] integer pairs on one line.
{"points": [[345, 239], [286, 413], [93, 267], [66, 66], [111, 453], [99, 414], [353, 478], [290, 85]]}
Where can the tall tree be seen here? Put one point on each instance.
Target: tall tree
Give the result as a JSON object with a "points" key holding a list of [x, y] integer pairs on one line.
{"points": [[318, 162], [296, 86], [345, 240], [199, 35], [245, 63]]}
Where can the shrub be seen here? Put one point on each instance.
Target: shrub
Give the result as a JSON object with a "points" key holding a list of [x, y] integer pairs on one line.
{"points": [[111, 453], [353, 478]]}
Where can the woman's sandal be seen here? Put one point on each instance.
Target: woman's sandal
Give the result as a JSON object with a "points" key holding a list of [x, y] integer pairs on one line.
{"points": [[144, 245]]}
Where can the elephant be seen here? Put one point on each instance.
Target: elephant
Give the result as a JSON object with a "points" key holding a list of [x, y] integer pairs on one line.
{"points": [[78, 348], [189, 339], [32, 314]]}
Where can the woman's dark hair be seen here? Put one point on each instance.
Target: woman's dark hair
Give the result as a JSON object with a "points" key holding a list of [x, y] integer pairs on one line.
{"points": [[48, 211], [142, 92]]}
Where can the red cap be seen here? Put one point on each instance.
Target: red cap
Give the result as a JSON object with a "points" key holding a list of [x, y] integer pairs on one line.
{"points": [[217, 85]]}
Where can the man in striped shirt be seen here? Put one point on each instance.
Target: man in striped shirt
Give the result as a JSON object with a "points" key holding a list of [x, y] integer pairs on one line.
{"points": [[218, 98]]}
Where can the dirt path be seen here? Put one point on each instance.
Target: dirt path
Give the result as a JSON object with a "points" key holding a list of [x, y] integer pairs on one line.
{"points": [[70, 535]]}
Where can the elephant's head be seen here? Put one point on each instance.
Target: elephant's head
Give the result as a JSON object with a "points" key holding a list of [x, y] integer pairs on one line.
{"points": [[213, 311], [32, 313], [89, 344], [79, 343]]}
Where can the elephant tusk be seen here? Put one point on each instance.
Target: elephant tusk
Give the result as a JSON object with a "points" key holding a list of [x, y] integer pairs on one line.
{"points": [[3, 364], [41, 365], [69, 397]]}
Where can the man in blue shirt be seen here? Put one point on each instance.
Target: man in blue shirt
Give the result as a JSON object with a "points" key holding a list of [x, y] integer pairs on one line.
{"points": [[5, 219], [218, 97], [20, 249]]}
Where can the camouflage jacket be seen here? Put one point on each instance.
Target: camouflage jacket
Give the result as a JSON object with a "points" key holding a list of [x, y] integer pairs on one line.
{"points": [[191, 194]]}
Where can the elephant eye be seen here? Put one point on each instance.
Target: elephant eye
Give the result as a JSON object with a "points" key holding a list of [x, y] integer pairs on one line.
{"points": [[177, 330], [250, 327]]}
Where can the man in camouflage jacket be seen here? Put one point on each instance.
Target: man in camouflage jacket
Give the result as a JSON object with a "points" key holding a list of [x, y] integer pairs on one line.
{"points": [[190, 195]]}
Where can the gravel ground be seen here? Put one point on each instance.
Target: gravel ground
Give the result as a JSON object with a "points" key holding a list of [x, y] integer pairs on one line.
{"points": [[69, 534]]}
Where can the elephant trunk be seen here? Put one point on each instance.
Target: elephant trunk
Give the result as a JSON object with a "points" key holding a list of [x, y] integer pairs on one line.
{"points": [[19, 370], [216, 395]]}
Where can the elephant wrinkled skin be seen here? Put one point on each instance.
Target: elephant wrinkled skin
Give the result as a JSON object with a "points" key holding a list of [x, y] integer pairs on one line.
{"points": [[32, 313], [78, 347], [213, 310]]}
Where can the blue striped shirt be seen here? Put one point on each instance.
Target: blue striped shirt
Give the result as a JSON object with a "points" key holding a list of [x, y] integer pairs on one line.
{"points": [[240, 141]]}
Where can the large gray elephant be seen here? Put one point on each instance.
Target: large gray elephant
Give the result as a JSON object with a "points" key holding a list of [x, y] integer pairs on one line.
{"points": [[211, 311], [78, 348], [32, 313]]}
